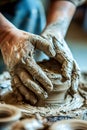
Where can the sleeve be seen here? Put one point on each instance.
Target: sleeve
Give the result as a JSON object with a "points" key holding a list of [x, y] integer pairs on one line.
{"points": [[75, 2]]}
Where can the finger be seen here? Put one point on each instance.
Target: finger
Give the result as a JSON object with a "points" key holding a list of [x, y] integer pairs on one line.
{"points": [[63, 56], [30, 84], [67, 67], [18, 95], [75, 77], [83, 89], [43, 45], [16, 92], [29, 96], [38, 74]]}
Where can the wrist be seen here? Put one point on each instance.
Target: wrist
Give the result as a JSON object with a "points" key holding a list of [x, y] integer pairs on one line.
{"points": [[60, 15], [6, 36]]}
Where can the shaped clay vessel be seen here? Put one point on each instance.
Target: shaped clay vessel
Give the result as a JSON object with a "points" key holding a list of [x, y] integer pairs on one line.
{"points": [[52, 68], [8, 115], [69, 125]]}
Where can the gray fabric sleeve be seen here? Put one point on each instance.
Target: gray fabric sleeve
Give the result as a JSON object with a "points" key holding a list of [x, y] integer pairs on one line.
{"points": [[77, 2]]}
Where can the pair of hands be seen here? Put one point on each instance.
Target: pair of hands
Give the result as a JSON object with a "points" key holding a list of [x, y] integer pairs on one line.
{"points": [[18, 49]]}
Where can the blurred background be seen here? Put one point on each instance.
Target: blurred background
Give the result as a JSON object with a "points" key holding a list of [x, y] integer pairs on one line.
{"points": [[20, 15], [77, 37]]}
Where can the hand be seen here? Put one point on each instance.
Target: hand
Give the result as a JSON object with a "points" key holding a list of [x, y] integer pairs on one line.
{"points": [[70, 69], [18, 49]]}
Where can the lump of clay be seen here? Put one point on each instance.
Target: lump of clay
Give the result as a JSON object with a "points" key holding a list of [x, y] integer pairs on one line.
{"points": [[52, 68]]}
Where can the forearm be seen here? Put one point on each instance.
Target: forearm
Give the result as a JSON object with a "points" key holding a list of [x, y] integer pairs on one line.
{"points": [[5, 27], [60, 14]]}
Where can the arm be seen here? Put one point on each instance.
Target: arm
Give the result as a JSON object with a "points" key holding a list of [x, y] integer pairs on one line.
{"points": [[59, 17], [60, 14], [18, 48], [5, 27]]}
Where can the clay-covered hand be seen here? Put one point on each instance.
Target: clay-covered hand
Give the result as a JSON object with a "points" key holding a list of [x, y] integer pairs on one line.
{"points": [[18, 49], [70, 69]]}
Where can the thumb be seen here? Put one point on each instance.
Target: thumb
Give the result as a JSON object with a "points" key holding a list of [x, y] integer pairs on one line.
{"points": [[43, 45]]}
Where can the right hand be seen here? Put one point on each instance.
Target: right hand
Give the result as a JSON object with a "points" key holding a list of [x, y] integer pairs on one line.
{"points": [[28, 79], [69, 68]]}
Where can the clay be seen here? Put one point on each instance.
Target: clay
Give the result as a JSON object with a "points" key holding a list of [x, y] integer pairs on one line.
{"points": [[52, 69], [35, 124], [8, 115], [69, 125]]}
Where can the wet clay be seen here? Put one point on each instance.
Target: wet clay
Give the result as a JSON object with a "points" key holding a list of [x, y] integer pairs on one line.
{"points": [[61, 104], [52, 69]]}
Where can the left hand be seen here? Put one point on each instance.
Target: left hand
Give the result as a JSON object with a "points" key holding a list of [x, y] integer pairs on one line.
{"points": [[70, 69], [18, 49]]}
